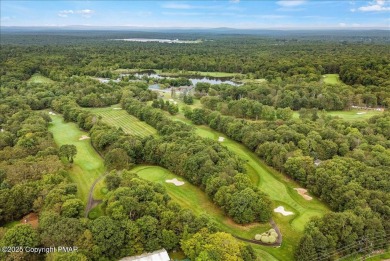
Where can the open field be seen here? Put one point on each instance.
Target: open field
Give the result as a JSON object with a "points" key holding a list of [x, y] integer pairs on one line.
{"points": [[37, 78], [351, 115], [117, 117], [331, 79], [88, 165]]}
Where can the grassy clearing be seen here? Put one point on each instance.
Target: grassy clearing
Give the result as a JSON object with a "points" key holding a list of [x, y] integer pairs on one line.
{"points": [[119, 118], [37, 78], [331, 79], [88, 165], [351, 115]]}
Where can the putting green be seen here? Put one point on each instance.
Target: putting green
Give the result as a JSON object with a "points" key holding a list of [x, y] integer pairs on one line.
{"points": [[88, 165], [119, 118]]}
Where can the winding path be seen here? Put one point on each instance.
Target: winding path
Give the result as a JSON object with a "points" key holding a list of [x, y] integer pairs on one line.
{"points": [[91, 201]]}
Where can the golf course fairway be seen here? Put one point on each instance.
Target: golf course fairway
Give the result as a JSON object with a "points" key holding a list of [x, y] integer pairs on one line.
{"points": [[87, 165], [191, 197]]}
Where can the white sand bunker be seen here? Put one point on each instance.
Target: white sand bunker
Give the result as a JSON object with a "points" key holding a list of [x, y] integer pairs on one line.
{"points": [[221, 139], [281, 210], [360, 113], [175, 181], [302, 192], [84, 137], [51, 113], [117, 108]]}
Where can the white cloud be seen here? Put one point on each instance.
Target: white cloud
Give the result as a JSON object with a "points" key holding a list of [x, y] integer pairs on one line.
{"points": [[84, 13], [176, 6], [342, 24], [65, 13], [234, 1], [376, 6], [290, 3]]}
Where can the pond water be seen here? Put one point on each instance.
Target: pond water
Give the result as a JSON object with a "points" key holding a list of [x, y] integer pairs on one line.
{"points": [[194, 80]]}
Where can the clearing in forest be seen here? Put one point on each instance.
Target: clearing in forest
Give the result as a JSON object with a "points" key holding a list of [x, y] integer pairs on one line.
{"points": [[116, 117], [331, 78], [87, 165], [37, 78]]}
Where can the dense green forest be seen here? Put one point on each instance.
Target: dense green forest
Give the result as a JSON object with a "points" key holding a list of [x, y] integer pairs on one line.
{"points": [[343, 163]]}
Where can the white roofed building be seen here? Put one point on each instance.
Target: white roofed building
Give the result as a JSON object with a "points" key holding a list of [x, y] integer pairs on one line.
{"points": [[159, 255]]}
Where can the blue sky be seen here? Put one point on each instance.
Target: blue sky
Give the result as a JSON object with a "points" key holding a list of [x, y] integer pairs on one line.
{"points": [[206, 14]]}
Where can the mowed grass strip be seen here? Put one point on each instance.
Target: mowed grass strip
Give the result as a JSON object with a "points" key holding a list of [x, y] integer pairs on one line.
{"points": [[87, 165], [116, 117]]}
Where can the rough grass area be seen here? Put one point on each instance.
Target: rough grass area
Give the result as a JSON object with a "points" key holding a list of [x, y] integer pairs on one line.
{"points": [[119, 118], [351, 115], [331, 79], [88, 165], [37, 78]]}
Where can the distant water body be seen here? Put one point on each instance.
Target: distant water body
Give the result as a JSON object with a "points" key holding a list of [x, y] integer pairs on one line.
{"points": [[145, 40]]}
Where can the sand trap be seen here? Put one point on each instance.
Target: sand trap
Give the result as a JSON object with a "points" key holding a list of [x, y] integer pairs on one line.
{"points": [[84, 137], [302, 192], [221, 139], [360, 113], [175, 181], [117, 108], [51, 113], [281, 210]]}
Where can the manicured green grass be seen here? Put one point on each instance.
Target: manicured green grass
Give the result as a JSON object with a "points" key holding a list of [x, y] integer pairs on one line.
{"points": [[190, 196], [331, 79], [119, 118], [88, 165], [355, 114], [351, 115], [37, 78], [253, 80]]}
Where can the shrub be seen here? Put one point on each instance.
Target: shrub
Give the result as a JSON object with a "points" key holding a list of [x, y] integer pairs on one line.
{"points": [[258, 237], [272, 239]]}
